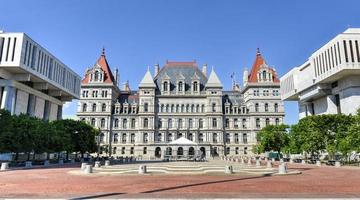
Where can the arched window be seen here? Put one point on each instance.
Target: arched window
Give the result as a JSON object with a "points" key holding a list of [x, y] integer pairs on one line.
{"points": [[192, 108], [257, 123], [158, 138], [197, 108], [94, 107], [123, 138], [172, 108], [162, 108], [245, 150], [180, 151], [102, 138], [256, 107], [245, 140], [124, 123], [236, 150], [215, 138], [266, 107], [145, 150], [201, 138], [93, 121], [169, 137], [187, 108], [264, 74], [202, 108], [166, 86], [116, 139], [236, 138], [277, 121], [276, 107], [97, 76], [146, 139], [102, 123], [228, 138], [114, 150], [195, 86], [180, 86], [170, 123], [191, 136], [267, 121], [146, 123], [146, 107], [84, 108], [201, 123], [213, 107], [103, 107], [116, 123], [132, 138]]}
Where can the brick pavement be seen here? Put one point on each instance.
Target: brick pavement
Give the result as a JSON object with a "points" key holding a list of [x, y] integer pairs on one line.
{"points": [[57, 183]]}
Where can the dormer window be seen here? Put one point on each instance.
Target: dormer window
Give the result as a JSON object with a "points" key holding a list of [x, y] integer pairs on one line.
{"points": [[180, 84], [166, 86], [195, 86], [94, 107]]}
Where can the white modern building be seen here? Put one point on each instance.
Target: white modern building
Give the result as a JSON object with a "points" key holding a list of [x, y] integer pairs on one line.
{"points": [[329, 81], [181, 111], [32, 80]]}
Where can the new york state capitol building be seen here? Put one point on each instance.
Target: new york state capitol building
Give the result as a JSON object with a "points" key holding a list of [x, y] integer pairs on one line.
{"points": [[181, 111]]}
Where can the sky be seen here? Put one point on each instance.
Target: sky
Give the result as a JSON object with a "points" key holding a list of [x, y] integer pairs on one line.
{"points": [[221, 33]]}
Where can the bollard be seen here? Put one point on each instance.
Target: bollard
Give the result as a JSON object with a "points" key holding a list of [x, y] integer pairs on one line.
{"points": [[291, 160], [257, 162], [46, 163], [249, 161], [28, 164], [107, 162], [268, 164], [228, 169], [318, 163], [97, 164], [83, 166], [88, 169], [61, 162], [273, 159], [303, 162], [142, 169], [4, 166], [283, 168], [242, 161], [281, 160], [337, 164]]}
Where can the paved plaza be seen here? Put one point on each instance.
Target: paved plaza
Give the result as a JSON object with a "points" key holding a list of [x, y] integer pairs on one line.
{"points": [[63, 183]]}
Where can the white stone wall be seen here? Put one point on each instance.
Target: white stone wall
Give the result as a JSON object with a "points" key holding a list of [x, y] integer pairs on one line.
{"points": [[21, 102], [39, 107]]}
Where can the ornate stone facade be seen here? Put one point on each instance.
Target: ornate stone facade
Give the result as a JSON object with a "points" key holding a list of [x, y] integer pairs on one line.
{"points": [[180, 101]]}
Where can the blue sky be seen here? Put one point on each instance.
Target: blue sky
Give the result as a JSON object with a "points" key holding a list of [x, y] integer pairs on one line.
{"points": [[223, 34]]}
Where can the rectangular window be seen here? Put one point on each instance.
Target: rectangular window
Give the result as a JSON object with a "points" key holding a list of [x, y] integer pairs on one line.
{"points": [[7, 49], [26, 49], [332, 58], [357, 51], [28, 56], [339, 53], [351, 51], [335, 55], [345, 50], [13, 51], [1, 47], [214, 123]]}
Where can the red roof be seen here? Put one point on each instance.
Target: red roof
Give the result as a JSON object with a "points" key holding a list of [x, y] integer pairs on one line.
{"points": [[259, 60], [102, 62], [176, 63]]}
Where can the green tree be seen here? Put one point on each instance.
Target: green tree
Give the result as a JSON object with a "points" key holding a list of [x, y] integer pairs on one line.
{"points": [[272, 138]]}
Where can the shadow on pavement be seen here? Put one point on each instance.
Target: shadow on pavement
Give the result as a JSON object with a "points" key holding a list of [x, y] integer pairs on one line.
{"points": [[205, 183], [97, 196]]}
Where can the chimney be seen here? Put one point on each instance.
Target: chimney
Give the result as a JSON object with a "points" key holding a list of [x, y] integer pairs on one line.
{"points": [[116, 76], [204, 69], [156, 69], [245, 77]]}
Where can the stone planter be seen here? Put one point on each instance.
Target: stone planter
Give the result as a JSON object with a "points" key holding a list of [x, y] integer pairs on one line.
{"points": [[228, 169], [107, 162], [88, 169], [28, 164], [268, 164], [303, 162], [83, 166], [97, 164], [142, 169], [318, 163], [337, 164], [4, 166], [46, 163], [283, 168]]}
